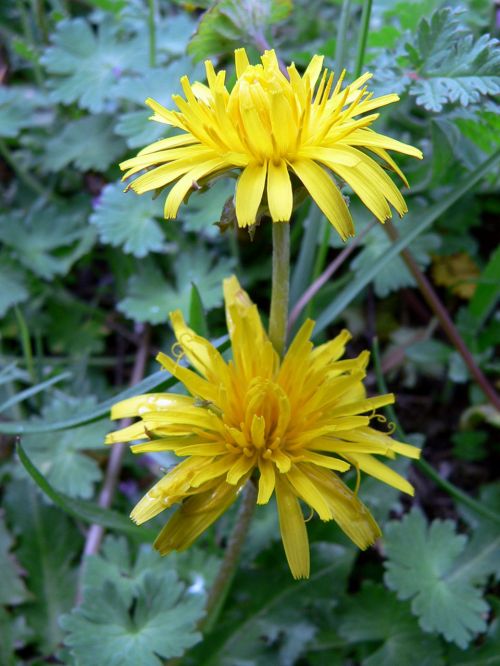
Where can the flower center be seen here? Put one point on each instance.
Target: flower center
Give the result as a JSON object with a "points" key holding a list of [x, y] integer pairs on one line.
{"points": [[259, 431]]}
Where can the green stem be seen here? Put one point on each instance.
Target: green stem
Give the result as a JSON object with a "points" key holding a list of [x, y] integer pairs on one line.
{"points": [[222, 583], [278, 319], [423, 465], [152, 33], [363, 36], [341, 45]]}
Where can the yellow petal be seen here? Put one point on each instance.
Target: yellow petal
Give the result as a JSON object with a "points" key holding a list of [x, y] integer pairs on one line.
{"points": [[188, 181], [293, 530], [249, 191], [347, 510], [266, 481], [377, 469], [279, 192], [326, 195], [141, 404], [308, 491], [200, 352], [241, 61], [193, 518]]}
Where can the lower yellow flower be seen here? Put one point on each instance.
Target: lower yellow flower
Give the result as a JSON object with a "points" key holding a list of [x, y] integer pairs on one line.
{"points": [[292, 423]]}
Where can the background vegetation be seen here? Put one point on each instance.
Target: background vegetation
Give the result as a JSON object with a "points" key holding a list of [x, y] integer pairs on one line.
{"points": [[88, 275]]}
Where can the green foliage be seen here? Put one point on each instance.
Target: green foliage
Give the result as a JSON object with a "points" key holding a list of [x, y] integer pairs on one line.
{"points": [[47, 241], [229, 22], [376, 616], [14, 287], [451, 64], [131, 615], [12, 588], [150, 297], [16, 110], [60, 456], [88, 64], [48, 542], [87, 143], [74, 81], [395, 275], [129, 221], [84, 511], [430, 566]]}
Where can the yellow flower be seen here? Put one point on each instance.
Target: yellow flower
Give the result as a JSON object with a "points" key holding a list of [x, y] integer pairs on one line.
{"points": [[291, 424], [267, 128], [458, 272]]}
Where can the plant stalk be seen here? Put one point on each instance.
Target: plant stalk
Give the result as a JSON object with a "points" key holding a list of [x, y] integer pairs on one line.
{"points": [[363, 37], [222, 583], [427, 469], [278, 318], [445, 320], [152, 33]]}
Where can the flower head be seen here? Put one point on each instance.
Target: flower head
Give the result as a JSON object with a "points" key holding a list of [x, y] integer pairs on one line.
{"points": [[268, 128], [291, 424]]}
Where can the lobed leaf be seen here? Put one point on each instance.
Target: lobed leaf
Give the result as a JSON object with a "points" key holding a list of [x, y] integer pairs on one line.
{"points": [[425, 565]]}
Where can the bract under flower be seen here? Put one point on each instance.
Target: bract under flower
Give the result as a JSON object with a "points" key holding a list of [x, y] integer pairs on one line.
{"points": [[291, 426]]}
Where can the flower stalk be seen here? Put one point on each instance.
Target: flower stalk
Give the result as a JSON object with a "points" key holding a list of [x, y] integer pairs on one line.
{"points": [[278, 319]]}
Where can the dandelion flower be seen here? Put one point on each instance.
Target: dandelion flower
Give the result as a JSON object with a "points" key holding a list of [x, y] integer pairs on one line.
{"points": [[275, 132], [292, 425]]}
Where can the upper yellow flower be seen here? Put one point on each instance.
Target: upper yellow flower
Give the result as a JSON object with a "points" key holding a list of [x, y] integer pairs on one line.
{"points": [[268, 127], [292, 424]]}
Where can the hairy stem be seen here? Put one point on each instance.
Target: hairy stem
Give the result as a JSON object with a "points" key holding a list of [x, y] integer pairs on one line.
{"points": [[222, 583], [445, 320], [278, 318]]}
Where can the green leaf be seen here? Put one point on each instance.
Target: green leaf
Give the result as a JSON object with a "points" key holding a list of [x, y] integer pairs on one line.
{"points": [[14, 289], [154, 381], [13, 635], [393, 276], [87, 64], [60, 457], [128, 221], [425, 219], [151, 298], [12, 588], [269, 620], [197, 318], [487, 292], [33, 390], [424, 565], [48, 241], [81, 510], [488, 652], [48, 544], [88, 143], [374, 615], [156, 624], [115, 565], [204, 210], [228, 23], [452, 65], [16, 109]]}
